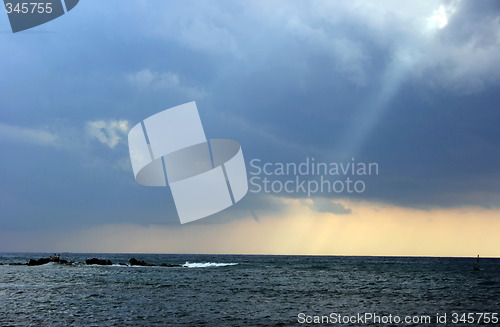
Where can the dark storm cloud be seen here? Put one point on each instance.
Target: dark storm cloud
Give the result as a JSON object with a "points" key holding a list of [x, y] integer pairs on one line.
{"points": [[331, 80]]}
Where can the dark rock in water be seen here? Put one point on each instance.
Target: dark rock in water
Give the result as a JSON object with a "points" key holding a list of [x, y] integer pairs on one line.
{"points": [[42, 261], [135, 262], [168, 265], [53, 258], [38, 262], [95, 261]]}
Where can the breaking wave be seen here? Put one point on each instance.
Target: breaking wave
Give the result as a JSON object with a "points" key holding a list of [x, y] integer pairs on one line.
{"points": [[207, 264]]}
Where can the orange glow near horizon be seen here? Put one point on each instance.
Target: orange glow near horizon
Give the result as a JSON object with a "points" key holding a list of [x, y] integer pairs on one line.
{"points": [[371, 229]]}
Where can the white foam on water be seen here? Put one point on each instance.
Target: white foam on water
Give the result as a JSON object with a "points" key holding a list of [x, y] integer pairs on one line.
{"points": [[207, 264]]}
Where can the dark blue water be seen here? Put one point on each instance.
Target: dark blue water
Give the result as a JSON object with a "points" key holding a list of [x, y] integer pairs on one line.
{"points": [[254, 291]]}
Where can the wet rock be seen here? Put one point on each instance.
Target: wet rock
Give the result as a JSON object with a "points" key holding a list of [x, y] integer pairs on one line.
{"points": [[41, 261], [96, 261], [135, 262]]}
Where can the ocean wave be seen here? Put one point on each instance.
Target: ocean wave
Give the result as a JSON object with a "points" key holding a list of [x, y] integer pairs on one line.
{"points": [[207, 264]]}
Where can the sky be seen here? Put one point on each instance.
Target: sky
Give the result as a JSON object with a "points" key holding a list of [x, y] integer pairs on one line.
{"points": [[413, 88]]}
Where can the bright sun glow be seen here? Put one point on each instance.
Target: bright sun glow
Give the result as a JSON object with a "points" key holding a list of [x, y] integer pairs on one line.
{"points": [[439, 18]]}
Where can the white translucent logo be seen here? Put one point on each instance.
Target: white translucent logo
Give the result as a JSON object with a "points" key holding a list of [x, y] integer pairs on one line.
{"points": [[205, 176]]}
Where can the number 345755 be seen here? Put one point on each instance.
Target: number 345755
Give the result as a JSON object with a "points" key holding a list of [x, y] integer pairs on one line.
{"points": [[29, 8]]}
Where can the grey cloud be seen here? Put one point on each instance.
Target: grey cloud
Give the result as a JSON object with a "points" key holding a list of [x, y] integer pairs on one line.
{"points": [[27, 135], [147, 79], [108, 132], [254, 215], [328, 205]]}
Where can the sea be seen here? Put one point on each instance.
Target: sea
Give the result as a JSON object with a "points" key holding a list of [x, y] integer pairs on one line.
{"points": [[249, 290]]}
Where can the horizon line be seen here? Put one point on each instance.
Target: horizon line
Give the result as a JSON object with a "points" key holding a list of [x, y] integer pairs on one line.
{"points": [[254, 254]]}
